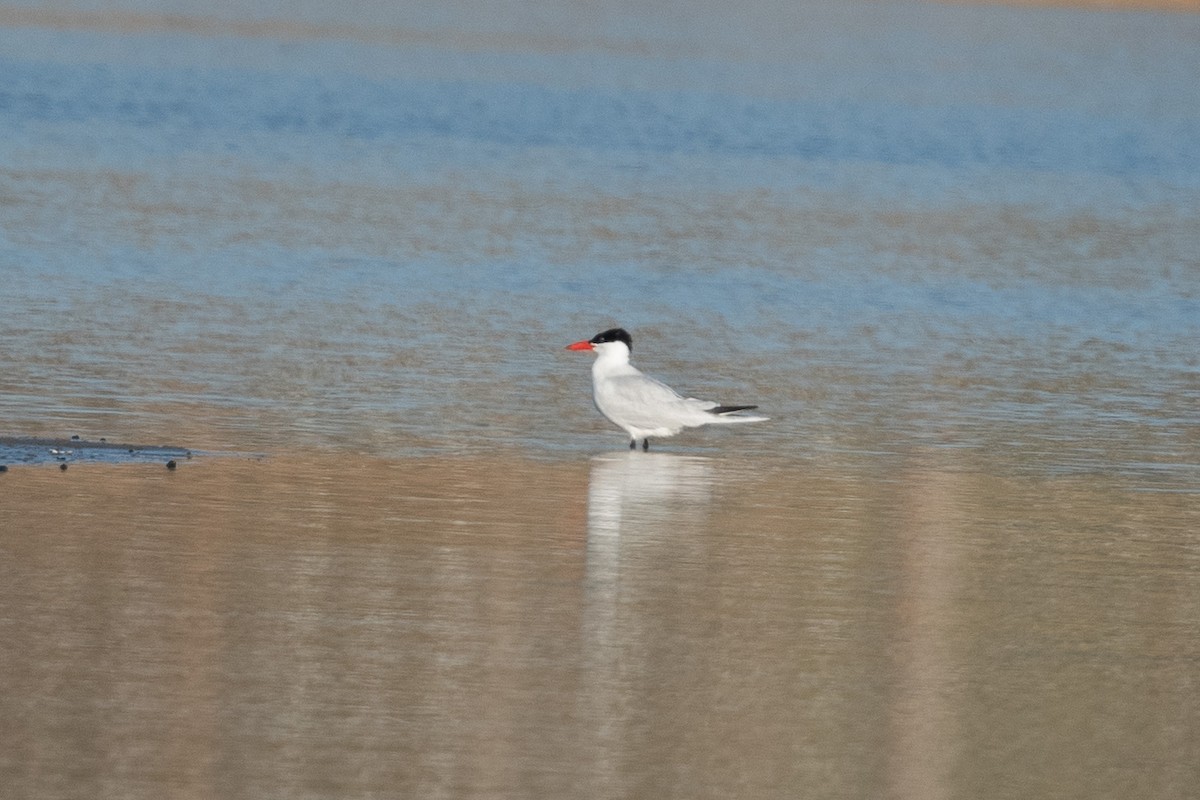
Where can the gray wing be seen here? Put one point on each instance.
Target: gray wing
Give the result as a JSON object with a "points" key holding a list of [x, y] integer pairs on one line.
{"points": [[641, 400]]}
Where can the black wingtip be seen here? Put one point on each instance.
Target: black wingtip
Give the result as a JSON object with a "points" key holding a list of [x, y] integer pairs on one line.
{"points": [[730, 409]]}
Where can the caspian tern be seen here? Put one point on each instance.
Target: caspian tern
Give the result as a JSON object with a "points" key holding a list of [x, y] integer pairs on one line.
{"points": [[641, 405]]}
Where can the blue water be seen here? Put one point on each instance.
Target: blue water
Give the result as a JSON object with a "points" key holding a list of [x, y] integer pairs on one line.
{"points": [[890, 225]]}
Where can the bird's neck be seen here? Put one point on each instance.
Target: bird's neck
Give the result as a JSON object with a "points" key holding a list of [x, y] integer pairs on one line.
{"points": [[612, 363]]}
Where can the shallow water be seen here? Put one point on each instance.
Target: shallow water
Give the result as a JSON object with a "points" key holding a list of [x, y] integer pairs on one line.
{"points": [[631, 624], [952, 252]]}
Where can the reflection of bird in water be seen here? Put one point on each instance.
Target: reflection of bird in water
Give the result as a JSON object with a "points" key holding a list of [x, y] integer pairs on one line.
{"points": [[644, 511], [646, 487], [641, 405]]}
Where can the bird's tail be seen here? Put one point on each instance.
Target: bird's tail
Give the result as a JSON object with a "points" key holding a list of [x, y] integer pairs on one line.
{"points": [[728, 414]]}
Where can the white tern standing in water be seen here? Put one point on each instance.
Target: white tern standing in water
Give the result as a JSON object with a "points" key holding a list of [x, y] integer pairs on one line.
{"points": [[641, 405]]}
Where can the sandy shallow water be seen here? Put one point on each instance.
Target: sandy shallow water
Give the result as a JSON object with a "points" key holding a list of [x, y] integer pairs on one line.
{"points": [[664, 624], [950, 250]]}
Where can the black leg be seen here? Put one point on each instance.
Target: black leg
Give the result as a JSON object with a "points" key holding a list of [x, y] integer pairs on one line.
{"points": [[645, 444], [633, 444]]}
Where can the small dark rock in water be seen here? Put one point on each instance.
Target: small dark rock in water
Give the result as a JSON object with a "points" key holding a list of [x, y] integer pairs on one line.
{"points": [[63, 466], [171, 464]]}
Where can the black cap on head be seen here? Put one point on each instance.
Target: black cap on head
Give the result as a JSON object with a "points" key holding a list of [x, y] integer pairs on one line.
{"points": [[614, 335]]}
